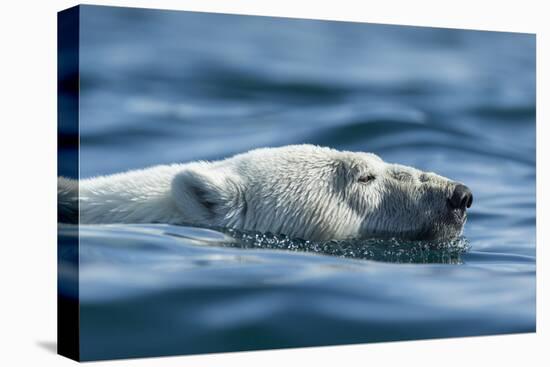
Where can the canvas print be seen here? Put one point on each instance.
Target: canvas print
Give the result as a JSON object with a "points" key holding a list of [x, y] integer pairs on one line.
{"points": [[234, 183]]}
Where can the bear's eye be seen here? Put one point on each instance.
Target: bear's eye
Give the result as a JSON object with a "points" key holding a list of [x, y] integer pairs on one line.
{"points": [[366, 178]]}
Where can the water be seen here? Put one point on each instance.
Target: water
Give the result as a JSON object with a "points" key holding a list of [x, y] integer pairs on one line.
{"points": [[161, 87]]}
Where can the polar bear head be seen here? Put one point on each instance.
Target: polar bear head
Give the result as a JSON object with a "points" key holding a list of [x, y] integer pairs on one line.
{"points": [[317, 193]]}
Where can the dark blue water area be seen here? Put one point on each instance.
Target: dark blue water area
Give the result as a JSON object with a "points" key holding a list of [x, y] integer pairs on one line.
{"points": [[162, 87]]}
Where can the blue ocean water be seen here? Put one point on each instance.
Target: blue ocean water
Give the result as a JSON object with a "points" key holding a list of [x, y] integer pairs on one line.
{"points": [[162, 87]]}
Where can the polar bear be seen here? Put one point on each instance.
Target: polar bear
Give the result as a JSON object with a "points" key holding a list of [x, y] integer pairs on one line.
{"points": [[302, 191]]}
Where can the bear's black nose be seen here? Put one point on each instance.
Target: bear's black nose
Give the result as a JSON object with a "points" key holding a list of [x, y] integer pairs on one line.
{"points": [[461, 198]]}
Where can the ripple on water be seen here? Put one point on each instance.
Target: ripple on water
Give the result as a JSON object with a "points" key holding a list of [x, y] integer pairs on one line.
{"points": [[387, 250]]}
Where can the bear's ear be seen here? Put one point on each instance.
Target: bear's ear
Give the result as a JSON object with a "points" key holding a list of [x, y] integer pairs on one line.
{"points": [[205, 195]]}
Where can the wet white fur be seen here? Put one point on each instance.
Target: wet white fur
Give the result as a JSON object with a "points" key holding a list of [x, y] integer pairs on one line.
{"points": [[303, 191]]}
